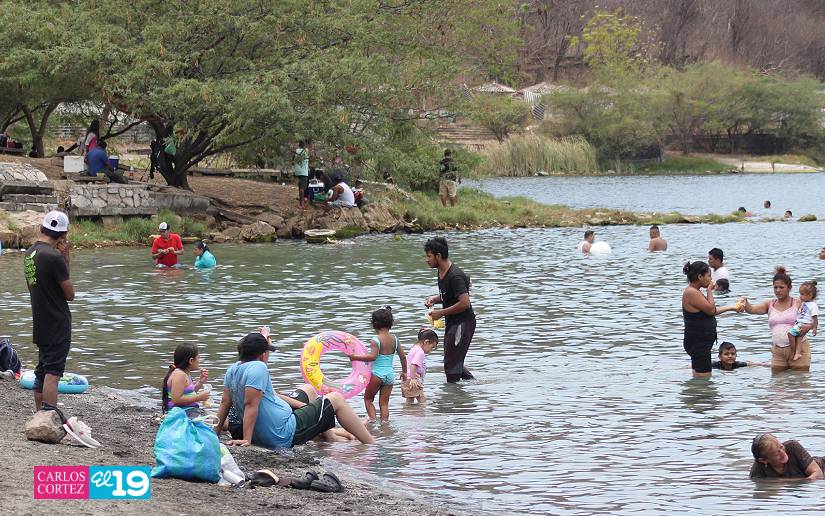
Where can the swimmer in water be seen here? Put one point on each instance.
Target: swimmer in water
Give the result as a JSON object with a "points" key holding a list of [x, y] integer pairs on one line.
{"points": [[767, 204], [742, 212], [657, 243], [722, 286], [584, 245], [727, 359], [788, 214]]}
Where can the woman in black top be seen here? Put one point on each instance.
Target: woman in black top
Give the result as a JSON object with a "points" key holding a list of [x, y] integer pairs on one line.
{"points": [[699, 312]]}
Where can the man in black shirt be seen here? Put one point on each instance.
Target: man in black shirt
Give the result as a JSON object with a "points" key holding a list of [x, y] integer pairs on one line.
{"points": [[454, 296], [46, 264]]}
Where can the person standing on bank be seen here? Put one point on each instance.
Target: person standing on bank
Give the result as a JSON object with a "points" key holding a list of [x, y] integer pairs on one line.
{"points": [[699, 313], [454, 297], [447, 179], [300, 160], [46, 264]]}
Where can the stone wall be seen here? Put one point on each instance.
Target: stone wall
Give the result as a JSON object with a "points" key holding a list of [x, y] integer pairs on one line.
{"points": [[88, 200], [91, 200]]}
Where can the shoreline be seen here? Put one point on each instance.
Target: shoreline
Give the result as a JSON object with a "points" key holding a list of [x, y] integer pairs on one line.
{"points": [[402, 212], [127, 432]]}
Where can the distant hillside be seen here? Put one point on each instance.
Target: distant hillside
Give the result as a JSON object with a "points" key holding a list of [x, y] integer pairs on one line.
{"points": [[768, 35]]}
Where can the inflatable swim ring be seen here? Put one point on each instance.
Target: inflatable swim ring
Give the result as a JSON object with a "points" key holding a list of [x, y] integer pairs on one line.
{"points": [[69, 383], [599, 248], [334, 340]]}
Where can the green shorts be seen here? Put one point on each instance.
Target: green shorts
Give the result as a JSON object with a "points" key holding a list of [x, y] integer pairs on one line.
{"points": [[312, 419]]}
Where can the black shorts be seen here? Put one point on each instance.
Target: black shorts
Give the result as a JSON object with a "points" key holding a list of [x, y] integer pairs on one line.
{"points": [[312, 419], [699, 349], [303, 183], [51, 359]]}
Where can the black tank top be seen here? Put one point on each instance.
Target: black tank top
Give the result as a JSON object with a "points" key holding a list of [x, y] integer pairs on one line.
{"points": [[699, 324]]}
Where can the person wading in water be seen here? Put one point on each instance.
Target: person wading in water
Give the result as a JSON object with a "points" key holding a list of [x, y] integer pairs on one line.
{"points": [[454, 297]]}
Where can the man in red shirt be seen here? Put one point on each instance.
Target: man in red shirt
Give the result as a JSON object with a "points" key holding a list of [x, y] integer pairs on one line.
{"points": [[167, 247]]}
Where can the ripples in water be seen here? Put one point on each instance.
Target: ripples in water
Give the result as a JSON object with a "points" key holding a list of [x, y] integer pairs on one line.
{"points": [[584, 402]]}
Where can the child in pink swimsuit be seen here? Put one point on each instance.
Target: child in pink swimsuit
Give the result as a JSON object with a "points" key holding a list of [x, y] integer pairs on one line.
{"points": [[413, 387]]}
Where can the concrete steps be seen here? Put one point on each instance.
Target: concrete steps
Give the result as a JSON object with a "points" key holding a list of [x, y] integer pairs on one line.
{"points": [[30, 198]]}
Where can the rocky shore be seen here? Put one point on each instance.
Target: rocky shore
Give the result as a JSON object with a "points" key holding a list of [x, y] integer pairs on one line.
{"points": [[127, 433]]}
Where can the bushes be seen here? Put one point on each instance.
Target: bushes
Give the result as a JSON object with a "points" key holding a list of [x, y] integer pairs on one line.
{"points": [[528, 155]]}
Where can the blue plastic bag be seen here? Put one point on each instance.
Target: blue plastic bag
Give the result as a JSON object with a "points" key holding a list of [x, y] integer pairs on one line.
{"points": [[187, 449]]}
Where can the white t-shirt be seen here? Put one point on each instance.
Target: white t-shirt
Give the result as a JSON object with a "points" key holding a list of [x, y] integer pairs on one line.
{"points": [[346, 198], [720, 273], [807, 312]]}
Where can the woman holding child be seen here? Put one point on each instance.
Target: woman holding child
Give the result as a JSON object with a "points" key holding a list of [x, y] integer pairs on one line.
{"points": [[782, 312]]}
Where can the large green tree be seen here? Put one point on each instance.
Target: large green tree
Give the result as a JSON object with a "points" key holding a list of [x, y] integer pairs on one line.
{"points": [[45, 61], [234, 74]]}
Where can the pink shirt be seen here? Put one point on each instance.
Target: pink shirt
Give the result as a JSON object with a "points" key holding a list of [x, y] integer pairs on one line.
{"points": [[781, 321], [418, 359]]}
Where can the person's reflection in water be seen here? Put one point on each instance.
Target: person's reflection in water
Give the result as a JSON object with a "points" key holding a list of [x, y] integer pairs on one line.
{"points": [[700, 394], [455, 399]]}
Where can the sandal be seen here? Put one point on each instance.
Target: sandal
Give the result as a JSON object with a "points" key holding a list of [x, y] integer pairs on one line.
{"points": [[264, 478], [329, 483], [306, 482]]}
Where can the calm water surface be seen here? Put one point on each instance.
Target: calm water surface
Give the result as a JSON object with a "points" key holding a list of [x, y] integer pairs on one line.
{"points": [[583, 403], [685, 194]]}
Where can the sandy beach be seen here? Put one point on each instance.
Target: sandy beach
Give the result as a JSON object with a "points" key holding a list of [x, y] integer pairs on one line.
{"points": [[127, 433]]}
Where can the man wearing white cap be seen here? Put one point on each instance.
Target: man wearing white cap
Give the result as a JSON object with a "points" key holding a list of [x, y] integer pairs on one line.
{"points": [[46, 265], [166, 247]]}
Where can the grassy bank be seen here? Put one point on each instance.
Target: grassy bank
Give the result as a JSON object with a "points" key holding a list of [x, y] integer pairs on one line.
{"points": [[692, 165], [478, 209], [133, 231]]}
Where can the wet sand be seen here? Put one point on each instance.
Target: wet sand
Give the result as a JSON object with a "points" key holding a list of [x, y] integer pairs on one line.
{"points": [[127, 433]]}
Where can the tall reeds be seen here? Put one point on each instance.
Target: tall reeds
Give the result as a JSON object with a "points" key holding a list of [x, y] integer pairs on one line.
{"points": [[531, 154]]}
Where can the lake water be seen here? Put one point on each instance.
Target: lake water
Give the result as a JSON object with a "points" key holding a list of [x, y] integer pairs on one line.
{"points": [[584, 401], [686, 194]]}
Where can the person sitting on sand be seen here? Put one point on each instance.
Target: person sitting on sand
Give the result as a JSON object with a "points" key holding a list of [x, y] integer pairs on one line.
{"points": [[178, 389], [272, 420], [584, 245], [727, 359], [341, 195], [657, 243], [718, 271], [774, 459]]}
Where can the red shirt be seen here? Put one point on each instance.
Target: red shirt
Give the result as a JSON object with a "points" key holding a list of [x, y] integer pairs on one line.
{"points": [[168, 259]]}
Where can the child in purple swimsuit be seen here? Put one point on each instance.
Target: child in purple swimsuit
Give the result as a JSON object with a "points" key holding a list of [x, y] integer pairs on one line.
{"points": [[178, 388]]}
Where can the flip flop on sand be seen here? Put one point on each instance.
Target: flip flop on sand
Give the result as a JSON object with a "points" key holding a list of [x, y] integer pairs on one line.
{"points": [[329, 483], [264, 478]]}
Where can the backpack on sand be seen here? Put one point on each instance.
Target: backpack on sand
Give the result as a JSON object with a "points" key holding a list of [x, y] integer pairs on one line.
{"points": [[8, 357]]}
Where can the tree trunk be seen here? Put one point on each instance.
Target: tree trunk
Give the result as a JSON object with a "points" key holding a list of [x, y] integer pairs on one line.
{"points": [[172, 168], [38, 130]]}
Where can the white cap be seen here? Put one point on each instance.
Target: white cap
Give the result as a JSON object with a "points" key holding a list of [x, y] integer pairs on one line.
{"points": [[163, 226], [56, 221]]}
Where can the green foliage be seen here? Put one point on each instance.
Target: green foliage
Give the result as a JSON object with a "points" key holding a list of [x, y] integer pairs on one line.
{"points": [[619, 123], [683, 164], [614, 46], [528, 155], [500, 114], [410, 157]]}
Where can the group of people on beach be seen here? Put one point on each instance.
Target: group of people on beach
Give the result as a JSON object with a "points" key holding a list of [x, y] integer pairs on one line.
{"points": [[254, 413], [250, 409]]}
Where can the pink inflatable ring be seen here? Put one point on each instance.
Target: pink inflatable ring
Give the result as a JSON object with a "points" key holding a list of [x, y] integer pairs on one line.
{"points": [[334, 340]]}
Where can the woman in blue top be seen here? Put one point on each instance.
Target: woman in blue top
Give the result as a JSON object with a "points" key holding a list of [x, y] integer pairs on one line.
{"points": [[204, 259], [384, 346]]}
